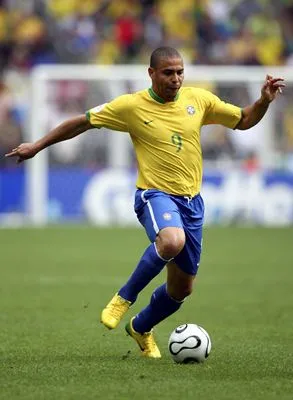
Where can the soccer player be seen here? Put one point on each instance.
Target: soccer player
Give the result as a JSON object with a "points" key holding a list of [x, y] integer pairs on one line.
{"points": [[164, 124]]}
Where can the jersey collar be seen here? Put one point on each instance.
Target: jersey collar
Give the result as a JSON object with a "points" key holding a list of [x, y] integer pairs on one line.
{"points": [[158, 98]]}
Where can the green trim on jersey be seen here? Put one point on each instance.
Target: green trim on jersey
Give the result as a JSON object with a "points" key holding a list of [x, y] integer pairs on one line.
{"points": [[158, 98], [88, 117]]}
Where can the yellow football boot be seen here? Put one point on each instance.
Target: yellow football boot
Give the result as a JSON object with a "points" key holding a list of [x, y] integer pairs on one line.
{"points": [[145, 341], [114, 311]]}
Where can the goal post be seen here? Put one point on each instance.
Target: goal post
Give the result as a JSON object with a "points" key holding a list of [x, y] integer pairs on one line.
{"points": [[112, 81]]}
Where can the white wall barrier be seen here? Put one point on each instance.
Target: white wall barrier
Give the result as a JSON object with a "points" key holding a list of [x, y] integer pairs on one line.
{"points": [[233, 197]]}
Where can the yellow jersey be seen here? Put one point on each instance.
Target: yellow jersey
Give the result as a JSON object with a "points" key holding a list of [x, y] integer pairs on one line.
{"points": [[166, 135]]}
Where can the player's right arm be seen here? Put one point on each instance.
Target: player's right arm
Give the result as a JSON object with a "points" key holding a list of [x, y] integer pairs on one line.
{"points": [[67, 130], [112, 115]]}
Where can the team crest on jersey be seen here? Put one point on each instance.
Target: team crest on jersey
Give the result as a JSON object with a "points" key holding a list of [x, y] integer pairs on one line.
{"points": [[190, 110], [167, 216]]}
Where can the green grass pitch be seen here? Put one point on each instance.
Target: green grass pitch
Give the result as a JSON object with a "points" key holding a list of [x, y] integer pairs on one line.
{"points": [[55, 281]]}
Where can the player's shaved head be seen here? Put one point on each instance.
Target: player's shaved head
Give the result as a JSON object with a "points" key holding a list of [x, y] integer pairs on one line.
{"points": [[166, 72], [163, 52]]}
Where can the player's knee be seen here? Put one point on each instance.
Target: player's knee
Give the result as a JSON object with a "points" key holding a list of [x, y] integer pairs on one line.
{"points": [[172, 247], [170, 242]]}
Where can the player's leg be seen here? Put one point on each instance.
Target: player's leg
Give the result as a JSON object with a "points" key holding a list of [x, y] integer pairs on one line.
{"points": [[167, 299], [179, 283], [156, 211], [168, 244]]}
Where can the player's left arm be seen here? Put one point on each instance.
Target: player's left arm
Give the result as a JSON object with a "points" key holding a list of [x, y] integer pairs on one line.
{"points": [[252, 114]]}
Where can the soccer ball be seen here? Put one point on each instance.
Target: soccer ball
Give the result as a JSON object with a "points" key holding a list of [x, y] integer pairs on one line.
{"points": [[189, 343]]}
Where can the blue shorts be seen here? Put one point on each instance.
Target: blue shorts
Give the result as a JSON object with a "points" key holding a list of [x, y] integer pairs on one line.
{"points": [[156, 210]]}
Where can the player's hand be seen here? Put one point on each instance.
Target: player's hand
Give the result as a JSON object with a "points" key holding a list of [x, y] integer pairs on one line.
{"points": [[23, 152], [271, 88]]}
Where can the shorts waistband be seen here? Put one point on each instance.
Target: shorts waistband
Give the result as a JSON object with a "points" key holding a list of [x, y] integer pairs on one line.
{"points": [[186, 196]]}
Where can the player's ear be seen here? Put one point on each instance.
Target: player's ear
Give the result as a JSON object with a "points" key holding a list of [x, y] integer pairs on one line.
{"points": [[151, 72]]}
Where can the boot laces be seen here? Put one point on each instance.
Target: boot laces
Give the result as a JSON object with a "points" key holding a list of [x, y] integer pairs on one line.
{"points": [[118, 309]]}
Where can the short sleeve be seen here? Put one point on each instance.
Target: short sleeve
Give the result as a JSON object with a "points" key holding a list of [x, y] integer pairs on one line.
{"points": [[112, 115], [219, 112]]}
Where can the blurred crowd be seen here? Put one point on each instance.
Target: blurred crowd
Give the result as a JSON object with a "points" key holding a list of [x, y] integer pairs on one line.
{"points": [[249, 32], [214, 32]]}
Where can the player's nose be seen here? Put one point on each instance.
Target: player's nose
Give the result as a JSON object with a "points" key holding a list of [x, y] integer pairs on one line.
{"points": [[175, 78]]}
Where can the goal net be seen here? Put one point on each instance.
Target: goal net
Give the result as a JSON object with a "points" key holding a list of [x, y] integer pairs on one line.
{"points": [[247, 175]]}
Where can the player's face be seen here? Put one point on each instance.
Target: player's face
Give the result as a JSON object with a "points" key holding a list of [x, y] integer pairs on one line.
{"points": [[167, 77]]}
